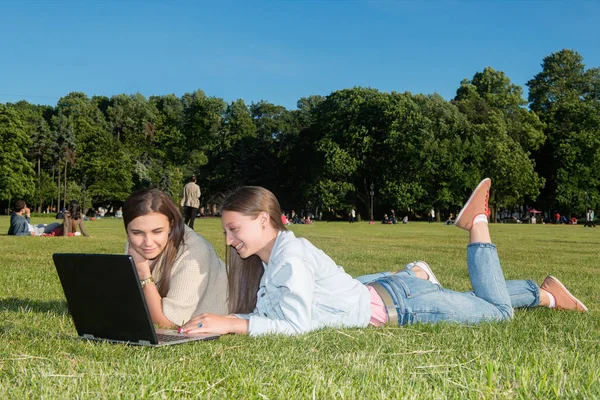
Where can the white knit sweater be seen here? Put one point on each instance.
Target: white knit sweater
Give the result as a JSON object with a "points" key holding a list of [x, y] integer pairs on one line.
{"points": [[198, 281]]}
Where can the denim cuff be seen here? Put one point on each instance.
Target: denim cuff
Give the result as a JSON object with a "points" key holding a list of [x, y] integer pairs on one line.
{"points": [[481, 245], [535, 289]]}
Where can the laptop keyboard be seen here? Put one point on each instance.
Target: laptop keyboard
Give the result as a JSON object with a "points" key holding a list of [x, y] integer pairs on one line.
{"points": [[162, 338]]}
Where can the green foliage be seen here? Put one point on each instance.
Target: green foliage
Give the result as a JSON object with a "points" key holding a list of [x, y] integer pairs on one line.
{"points": [[419, 151], [504, 135], [46, 191], [131, 120], [16, 172], [106, 168], [565, 95]]}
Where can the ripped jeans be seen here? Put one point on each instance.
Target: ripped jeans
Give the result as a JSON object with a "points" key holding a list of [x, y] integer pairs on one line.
{"points": [[492, 298]]}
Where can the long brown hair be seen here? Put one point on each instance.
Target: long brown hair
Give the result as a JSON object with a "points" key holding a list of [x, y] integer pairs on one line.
{"points": [[147, 201], [244, 275]]}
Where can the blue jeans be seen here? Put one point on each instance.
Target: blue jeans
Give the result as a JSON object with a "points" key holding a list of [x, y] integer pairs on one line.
{"points": [[523, 293], [419, 300], [40, 229]]}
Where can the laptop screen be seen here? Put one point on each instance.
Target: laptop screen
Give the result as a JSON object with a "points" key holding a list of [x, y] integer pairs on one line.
{"points": [[104, 297]]}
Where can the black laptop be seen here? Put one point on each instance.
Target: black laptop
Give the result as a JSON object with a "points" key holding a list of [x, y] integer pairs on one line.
{"points": [[106, 301]]}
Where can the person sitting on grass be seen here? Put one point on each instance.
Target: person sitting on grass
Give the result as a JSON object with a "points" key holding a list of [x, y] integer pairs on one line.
{"points": [[280, 284], [72, 220], [180, 272], [20, 222]]}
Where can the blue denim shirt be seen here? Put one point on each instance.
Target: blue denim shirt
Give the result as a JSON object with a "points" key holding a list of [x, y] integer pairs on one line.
{"points": [[303, 289], [19, 225]]}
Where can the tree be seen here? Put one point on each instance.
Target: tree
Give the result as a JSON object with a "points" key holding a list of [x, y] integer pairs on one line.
{"points": [[202, 122], [505, 134], [131, 119], [16, 172], [63, 149], [169, 140], [431, 159], [566, 96], [227, 167], [39, 131], [106, 166]]}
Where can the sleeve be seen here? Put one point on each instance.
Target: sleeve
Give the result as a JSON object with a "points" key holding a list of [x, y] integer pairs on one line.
{"points": [[21, 228], [292, 289], [189, 279]]}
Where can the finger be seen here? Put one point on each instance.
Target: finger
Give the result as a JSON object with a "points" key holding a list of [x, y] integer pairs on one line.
{"points": [[202, 329], [193, 323]]}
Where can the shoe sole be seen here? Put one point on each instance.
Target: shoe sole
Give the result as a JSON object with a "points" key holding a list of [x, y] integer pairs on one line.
{"points": [[577, 301], [465, 206]]}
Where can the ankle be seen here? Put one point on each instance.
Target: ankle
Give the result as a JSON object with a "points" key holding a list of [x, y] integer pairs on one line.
{"points": [[480, 233], [547, 299], [420, 273]]}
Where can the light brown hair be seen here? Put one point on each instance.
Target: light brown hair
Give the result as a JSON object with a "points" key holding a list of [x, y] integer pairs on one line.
{"points": [[147, 201], [244, 275]]}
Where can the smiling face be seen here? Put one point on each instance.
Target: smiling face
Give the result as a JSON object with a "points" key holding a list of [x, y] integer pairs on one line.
{"points": [[248, 235], [149, 234]]}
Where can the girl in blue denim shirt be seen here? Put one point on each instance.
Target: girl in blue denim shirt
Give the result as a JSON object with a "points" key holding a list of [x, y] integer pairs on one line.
{"points": [[280, 284]]}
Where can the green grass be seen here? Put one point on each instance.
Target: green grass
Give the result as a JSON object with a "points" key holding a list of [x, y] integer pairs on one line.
{"points": [[539, 354]]}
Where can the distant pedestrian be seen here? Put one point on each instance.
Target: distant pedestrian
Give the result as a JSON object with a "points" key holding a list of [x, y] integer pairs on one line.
{"points": [[190, 202], [589, 219], [352, 215]]}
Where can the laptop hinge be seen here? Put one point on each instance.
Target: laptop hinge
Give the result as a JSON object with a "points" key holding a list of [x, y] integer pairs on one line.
{"points": [[88, 336], [144, 343]]}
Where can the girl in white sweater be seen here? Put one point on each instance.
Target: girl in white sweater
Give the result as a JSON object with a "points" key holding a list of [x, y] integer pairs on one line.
{"points": [[180, 272]]}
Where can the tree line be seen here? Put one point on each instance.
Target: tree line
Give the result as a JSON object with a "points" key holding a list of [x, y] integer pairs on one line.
{"points": [[417, 151]]}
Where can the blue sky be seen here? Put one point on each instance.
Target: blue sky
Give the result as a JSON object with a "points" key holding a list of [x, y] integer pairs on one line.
{"points": [[279, 51]]}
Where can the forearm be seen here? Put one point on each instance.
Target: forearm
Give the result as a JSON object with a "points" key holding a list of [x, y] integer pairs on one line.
{"points": [[238, 325], [66, 226], [82, 228], [211, 323], [154, 302]]}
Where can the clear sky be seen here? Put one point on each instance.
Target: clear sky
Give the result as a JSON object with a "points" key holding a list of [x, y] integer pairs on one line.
{"points": [[279, 51]]}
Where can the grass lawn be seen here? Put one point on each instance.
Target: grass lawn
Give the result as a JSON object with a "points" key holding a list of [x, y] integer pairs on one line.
{"points": [[539, 354]]}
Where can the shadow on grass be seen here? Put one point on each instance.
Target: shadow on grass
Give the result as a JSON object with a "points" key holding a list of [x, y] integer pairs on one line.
{"points": [[16, 305]]}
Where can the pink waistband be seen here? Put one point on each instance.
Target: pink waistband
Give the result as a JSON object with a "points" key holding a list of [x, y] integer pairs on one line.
{"points": [[378, 313]]}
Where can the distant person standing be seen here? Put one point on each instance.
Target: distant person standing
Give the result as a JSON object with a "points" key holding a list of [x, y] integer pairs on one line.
{"points": [[352, 215], [431, 215], [589, 219], [190, 202]]}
